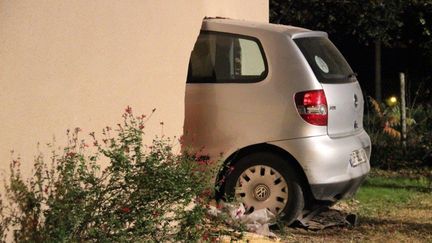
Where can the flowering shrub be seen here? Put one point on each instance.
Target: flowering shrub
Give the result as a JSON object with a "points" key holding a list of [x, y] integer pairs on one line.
{"points": [[145, 193]]}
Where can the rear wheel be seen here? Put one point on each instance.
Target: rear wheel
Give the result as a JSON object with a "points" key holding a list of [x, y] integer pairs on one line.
{"points": [[265, 180]]}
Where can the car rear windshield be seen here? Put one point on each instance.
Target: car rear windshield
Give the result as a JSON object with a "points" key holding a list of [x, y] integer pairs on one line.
{"points": [[326, 61]]}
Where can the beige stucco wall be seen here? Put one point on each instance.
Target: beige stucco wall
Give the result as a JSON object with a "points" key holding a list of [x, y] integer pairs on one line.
{"points": [[66, 64]]}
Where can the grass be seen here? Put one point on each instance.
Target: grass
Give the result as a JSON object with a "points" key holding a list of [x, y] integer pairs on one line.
{"points": [[392, 207]]}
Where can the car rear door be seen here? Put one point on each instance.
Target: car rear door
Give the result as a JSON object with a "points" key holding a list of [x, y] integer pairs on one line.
{"points": [[342, 90]]}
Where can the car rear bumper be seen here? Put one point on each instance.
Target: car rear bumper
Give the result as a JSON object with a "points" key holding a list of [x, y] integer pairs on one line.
{"points": [[337, 190], [327, 163]]}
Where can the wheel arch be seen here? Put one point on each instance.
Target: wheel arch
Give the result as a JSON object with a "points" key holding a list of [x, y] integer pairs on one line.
{"points": [[263, 147]]}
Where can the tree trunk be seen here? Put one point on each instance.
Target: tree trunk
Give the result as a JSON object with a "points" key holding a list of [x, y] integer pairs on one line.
{"points": [[378, 70]]}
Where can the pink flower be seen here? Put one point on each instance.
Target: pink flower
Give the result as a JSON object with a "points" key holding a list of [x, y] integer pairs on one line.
{"points": [[128, 110], [70, 154], [125, 210], [205, 237]]}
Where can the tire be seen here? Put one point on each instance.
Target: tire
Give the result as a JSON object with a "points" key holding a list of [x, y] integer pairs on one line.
{"points": [[265, 180]]}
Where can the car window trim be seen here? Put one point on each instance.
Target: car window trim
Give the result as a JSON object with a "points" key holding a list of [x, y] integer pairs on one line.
{"points": [[243, 80]]}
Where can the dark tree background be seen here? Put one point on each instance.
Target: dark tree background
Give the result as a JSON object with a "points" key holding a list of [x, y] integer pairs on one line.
{"points": [[379, 38]]}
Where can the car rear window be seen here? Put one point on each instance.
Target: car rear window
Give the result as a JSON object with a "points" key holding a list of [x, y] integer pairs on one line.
{"points": [[326, 61]]}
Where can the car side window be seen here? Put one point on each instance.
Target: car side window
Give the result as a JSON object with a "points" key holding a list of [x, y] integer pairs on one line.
{"points": [[226, 58]]}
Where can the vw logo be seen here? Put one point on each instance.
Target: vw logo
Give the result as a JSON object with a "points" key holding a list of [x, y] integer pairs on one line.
{"points": [[261, 192]]}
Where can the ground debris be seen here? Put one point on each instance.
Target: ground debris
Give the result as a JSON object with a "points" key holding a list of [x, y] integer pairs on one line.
{"points": [[258, 226], [324, 217], [257, 222], [241, 226]]}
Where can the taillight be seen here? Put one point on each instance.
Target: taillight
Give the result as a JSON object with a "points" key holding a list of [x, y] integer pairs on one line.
{"points": [[312, 106]]}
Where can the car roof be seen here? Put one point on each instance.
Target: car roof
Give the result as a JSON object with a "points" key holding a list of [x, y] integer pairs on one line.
{"points": [[292, 31]]}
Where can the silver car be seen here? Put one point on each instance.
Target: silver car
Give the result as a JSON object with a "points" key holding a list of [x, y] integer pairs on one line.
{"points": [[283, 110]]}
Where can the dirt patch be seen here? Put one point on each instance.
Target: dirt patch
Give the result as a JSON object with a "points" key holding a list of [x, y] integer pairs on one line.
{"points": [[369, 229]]}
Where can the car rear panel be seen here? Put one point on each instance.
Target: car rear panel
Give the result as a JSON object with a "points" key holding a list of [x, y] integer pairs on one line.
{"points": [[345, 108]]}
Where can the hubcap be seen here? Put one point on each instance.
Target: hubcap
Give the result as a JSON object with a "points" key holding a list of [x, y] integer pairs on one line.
{"points": [[261, 192], [261, 186]]}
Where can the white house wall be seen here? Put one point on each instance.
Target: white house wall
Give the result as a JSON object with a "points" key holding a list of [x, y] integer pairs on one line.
{"points": [[66, 64]]}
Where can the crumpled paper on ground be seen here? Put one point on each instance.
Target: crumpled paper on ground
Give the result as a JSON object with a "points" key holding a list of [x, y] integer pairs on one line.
{"points": [[257, 222]]}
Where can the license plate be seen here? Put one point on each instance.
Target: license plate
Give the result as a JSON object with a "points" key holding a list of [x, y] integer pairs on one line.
{"points": [[358, 157]]}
